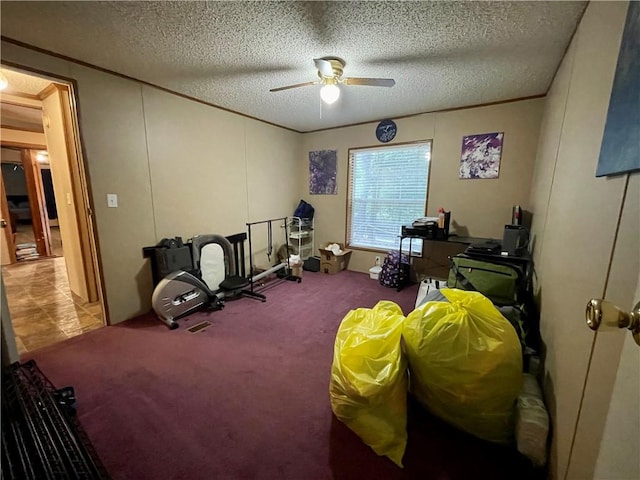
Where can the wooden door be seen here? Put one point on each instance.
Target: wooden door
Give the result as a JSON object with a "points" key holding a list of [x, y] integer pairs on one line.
{"points": [[620, 444], [606, 360], [71, 192], [39, 218], [7, 246]]}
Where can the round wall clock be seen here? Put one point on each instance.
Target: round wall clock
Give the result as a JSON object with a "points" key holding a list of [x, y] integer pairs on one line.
{"points": [[386, 131]]}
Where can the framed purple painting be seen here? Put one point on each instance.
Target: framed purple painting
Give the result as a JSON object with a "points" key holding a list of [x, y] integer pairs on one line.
{"points": [[481, 155], [323, 169]]}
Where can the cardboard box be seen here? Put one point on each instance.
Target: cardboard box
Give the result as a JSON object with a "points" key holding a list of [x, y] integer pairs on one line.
{"points": [[332, 263]]}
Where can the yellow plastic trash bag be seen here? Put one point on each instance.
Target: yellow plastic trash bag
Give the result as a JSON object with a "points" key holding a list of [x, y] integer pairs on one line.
{"points": [[465, 363], [368, 387]]}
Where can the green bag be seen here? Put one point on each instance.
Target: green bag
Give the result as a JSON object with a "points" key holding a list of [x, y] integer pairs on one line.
{"points": [[499, 282]]}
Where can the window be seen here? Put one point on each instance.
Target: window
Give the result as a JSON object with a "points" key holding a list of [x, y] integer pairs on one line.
{"points": [[387, 189]]}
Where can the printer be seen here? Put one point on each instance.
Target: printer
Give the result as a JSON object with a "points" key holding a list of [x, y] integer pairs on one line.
{"points": [[425, 227]]}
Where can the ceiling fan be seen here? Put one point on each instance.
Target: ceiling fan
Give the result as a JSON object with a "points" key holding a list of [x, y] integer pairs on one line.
{"points": [[330, 73]]}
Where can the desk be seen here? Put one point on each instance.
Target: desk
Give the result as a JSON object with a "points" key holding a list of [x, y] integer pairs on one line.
{"points": [[524, 261], [403, 274]]}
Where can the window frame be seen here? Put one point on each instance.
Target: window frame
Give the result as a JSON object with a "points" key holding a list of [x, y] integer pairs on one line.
{"points": [[349, 194]]}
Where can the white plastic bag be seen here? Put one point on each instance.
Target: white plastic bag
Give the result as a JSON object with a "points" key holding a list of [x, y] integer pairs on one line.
{"points": [[532, 422]]}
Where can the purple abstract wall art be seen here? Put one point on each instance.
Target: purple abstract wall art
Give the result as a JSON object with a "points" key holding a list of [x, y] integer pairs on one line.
{"points": [[323, 170], [481, 155]]}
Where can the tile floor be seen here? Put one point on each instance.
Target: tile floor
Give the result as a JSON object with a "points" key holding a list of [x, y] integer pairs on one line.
{"points": [[43, 310]]}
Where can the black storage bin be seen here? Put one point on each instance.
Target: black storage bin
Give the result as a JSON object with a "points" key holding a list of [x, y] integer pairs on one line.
{"points": [[167, 257], [311, 264]]}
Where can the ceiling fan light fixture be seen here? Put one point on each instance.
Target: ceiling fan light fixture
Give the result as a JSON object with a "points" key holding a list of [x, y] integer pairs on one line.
{"points": [[330, 93], [330, 74]]}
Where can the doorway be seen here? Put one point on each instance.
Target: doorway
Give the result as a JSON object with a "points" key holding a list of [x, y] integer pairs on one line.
{"points": [[49, 264], [31, 204]]}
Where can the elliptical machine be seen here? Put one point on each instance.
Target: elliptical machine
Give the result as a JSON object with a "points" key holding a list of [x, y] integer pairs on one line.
{"points": [[196, 280], [181, 293]]}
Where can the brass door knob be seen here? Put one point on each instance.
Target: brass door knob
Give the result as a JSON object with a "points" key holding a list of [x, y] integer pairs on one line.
{"points": [[603, 315]]}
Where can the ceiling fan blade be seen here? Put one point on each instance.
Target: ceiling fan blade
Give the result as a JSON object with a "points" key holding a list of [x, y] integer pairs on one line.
{"points": [[293, 86], [324, 67], [373, 82]]}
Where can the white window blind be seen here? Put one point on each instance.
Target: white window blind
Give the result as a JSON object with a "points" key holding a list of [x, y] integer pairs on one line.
{"points": [[387, 189]]}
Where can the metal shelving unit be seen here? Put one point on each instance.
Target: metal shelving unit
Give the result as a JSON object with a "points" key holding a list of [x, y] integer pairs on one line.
{"points": [[40, 435], [301, 236]]}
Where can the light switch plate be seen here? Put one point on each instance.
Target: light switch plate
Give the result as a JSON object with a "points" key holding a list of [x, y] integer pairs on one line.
{"points": [[112, 200]]}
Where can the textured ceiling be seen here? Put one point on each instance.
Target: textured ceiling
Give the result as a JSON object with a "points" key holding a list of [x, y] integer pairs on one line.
{"points": [[441, 54], [20, 83]]}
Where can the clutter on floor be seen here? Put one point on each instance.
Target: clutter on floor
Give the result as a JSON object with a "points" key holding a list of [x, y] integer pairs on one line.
{"points": [[26, 251], [334, 258], [427, 286], [395, 270], [532, 422], [468, 364], [311, 264], [41, 437], [465, 360], [295, 263], [265, 368], [374, 272], [369, 378], [204, 271]]}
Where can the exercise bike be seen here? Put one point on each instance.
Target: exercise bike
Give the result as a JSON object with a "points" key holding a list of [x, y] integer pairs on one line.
{"points": [[218, 274], [181, 293], [205, 286]]}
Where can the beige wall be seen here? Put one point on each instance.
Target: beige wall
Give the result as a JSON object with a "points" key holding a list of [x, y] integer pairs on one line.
{"points": [[114, 139], [60, 161], [178, 168], [7, 336], [479, 208], [585, 243], [226, 169]]}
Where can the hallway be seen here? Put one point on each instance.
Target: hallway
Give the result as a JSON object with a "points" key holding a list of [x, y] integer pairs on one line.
{"points": [[24, 234], [42, 307]]}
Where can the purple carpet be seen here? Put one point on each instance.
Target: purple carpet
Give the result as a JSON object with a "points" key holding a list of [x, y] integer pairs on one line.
{"points": [[247, 397]]}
